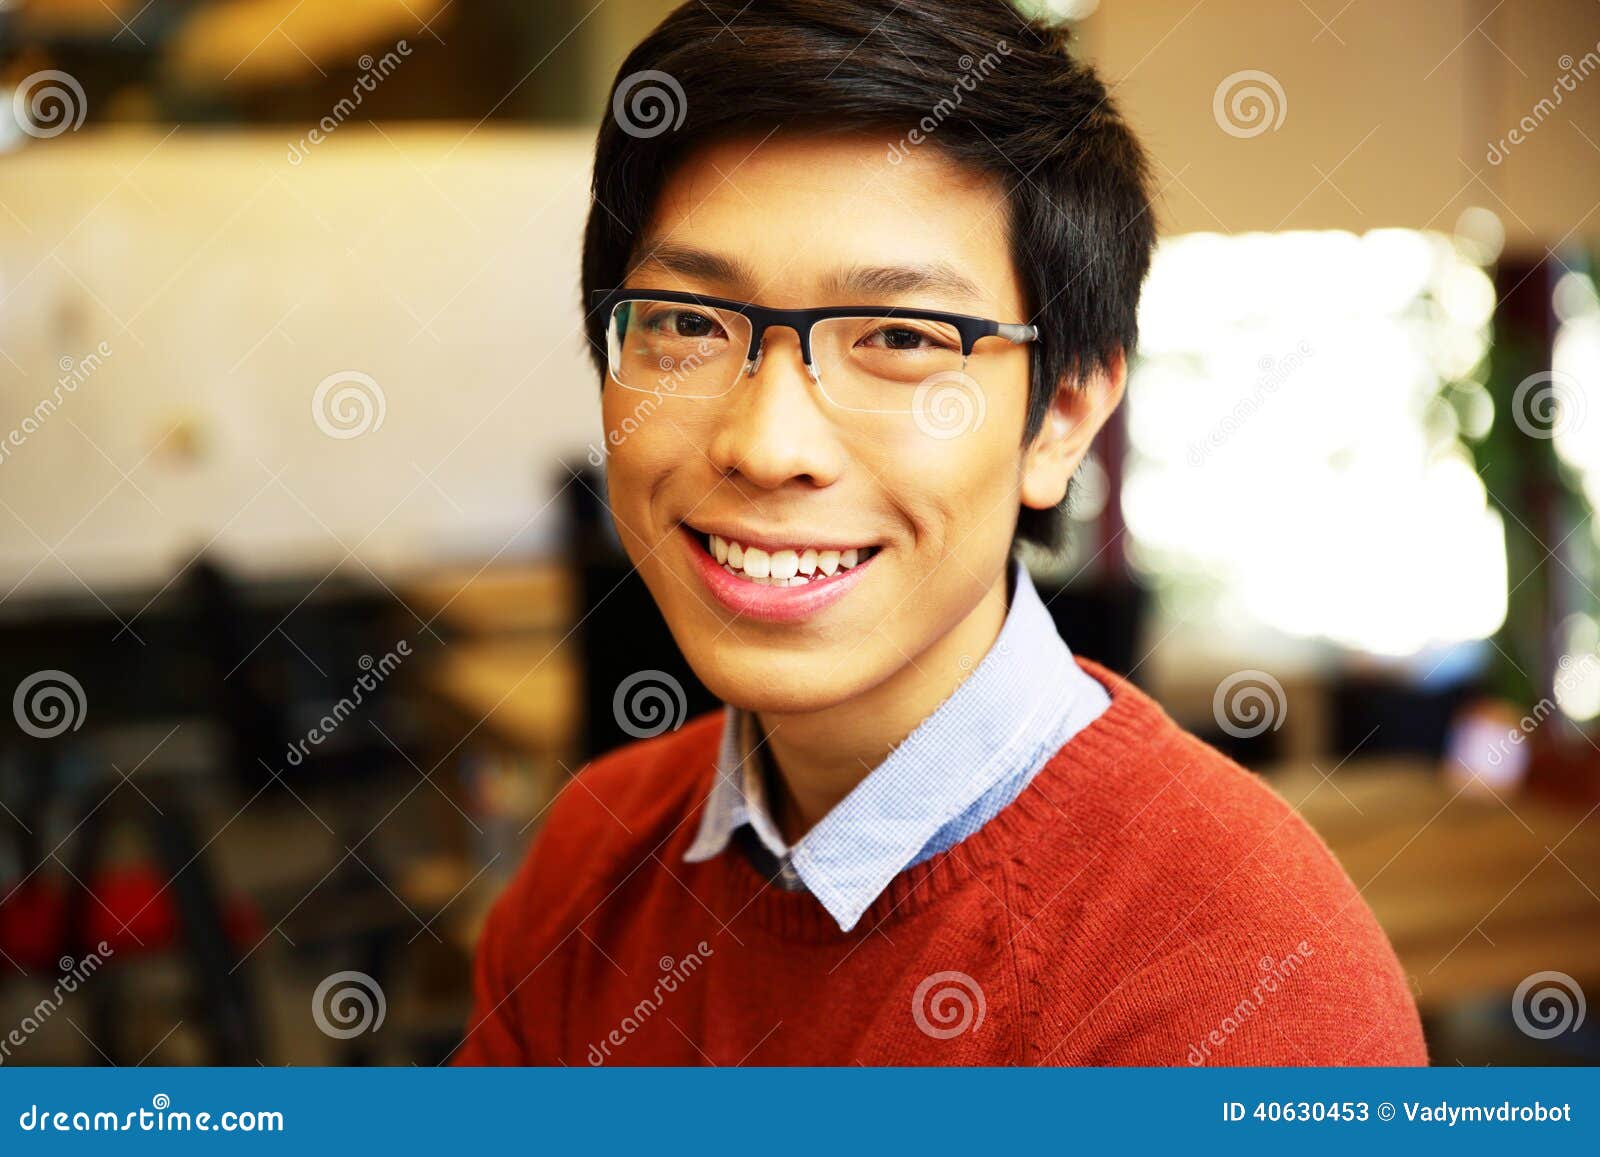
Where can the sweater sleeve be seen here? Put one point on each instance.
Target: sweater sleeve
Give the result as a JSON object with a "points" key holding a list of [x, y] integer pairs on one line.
{"points": [[1335, 997], [1216, 929], [515, 986], [492, 1037]]}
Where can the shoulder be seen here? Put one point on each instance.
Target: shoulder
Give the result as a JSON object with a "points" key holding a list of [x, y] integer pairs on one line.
{"points": [[619, 799], [606, 819], [1207, 894]]}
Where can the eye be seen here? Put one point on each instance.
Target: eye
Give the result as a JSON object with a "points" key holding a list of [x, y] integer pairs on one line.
{"points": [[904, 338], [684, 323]]}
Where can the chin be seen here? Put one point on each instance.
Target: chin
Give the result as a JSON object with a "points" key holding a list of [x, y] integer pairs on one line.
{"points": [[783, 683]]}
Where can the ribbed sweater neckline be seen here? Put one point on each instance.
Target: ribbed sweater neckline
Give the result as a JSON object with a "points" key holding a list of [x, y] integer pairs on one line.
{"points": [[1129, 724]]}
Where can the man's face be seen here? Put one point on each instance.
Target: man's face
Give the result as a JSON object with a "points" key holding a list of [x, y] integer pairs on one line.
{"points": [[777, 465]]}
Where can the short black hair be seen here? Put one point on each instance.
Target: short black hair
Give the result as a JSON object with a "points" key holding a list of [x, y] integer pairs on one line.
{"points": [[996, 91]]}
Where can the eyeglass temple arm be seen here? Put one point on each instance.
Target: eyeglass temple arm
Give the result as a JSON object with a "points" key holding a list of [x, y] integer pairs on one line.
{"points": [[1018, 333]]}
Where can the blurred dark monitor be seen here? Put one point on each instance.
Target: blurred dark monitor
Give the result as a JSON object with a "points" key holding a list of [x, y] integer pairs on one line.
{"points": [[620, 632], [1378, 715]]}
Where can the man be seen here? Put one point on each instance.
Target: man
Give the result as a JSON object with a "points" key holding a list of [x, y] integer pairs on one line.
{"points": [[862, 280]]}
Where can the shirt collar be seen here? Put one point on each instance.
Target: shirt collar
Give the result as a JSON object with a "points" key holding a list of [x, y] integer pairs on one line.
{"points": [[975, 739], [737, 795]]}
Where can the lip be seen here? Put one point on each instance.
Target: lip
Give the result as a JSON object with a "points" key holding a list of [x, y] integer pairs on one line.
{"points": [[767, 603]]}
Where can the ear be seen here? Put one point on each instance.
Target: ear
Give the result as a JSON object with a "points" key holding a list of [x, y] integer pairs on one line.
{"points": [[1079, 409]]}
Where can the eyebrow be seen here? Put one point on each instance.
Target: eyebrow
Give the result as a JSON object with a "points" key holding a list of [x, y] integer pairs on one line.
{"points": [[893, 280], [867, 281]]}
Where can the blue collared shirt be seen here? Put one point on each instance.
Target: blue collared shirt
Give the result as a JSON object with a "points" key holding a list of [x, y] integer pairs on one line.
{"points": [[953, 774]]}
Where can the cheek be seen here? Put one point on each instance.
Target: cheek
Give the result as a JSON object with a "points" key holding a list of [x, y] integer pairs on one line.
{"points": [[956, 486], [640, 456]]}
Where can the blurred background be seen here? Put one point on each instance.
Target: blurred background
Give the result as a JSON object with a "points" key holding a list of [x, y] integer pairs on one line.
{"points": [[309, 604]]}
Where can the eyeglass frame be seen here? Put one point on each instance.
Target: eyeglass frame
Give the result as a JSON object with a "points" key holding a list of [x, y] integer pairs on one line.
{"points": [[762, 318]]}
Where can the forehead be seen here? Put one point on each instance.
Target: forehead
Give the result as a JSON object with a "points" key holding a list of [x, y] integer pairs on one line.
{"points": [[794, 211]]}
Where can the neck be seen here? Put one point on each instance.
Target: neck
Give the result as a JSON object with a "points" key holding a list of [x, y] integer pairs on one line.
{"points": [[820, 756]]}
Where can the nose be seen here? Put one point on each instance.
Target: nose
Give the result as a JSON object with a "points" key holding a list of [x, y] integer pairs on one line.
{"points": [[773, 429]]}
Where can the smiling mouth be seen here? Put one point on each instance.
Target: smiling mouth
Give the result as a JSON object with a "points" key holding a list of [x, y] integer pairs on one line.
{"points": [[789, 567]]}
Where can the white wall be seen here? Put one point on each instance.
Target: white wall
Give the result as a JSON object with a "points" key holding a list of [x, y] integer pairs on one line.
{"points": [[227, 283]]}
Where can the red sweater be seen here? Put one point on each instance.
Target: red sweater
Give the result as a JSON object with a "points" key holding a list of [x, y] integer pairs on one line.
{"points": [[1144, 901]]}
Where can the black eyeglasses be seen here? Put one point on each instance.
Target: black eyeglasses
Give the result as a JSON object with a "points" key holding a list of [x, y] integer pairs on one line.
{"points": [[867, 358]]}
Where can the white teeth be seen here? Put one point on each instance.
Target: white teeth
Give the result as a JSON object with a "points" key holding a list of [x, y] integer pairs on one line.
{"points": [[783, 568]]}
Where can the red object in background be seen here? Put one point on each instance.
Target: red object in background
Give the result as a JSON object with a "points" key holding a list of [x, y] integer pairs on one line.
{"points": [[1566, 770], [130, 909]]}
